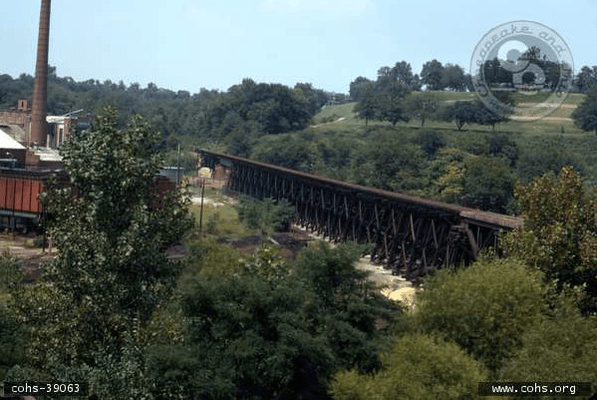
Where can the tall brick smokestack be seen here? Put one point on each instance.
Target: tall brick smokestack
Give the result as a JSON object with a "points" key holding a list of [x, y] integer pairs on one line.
{"points": [[39, 110]]}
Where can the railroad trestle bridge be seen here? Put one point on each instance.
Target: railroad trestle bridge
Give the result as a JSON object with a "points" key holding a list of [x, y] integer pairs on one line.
{"points": [[411, 235]]}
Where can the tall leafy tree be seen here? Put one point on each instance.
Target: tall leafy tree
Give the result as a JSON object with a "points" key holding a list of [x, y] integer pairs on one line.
{"points": [[453, 77], [487, 183], [432, 75], [263, 330], [415, 367], [402, 71], [359, 88], [112, 227], [423, 106], [392, 106], [368, 107], [484, 308], [586, 78], [559, 235], [464, 112], [495, 74]]}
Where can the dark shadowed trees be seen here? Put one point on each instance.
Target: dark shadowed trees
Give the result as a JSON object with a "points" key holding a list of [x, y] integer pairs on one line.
{"points": [[585, 116], [432, 75], [463, 112]]}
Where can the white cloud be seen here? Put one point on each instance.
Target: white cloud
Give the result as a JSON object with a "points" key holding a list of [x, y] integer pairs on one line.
{"points": [[319, 6]]}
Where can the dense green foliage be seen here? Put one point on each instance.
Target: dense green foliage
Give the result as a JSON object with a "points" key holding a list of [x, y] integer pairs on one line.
{"points": [[112, 229], [464, 112], [559, 233], [113, 310], [487, 183], [259, 328], [567, 338], [247, 110], [12, 333], [585, 116], [268, 215], [416, 367], [484, 309]]}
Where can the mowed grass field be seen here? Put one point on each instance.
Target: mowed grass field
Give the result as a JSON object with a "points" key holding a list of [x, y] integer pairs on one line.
{"points": [[557, 120], [557, 130]]}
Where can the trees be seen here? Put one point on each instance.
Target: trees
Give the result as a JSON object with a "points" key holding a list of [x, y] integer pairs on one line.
{"points": [[388, 163], [316, 98], [430, 142], [453, 78], [244, 339], [569, 338], [490, 117], [463, 112], [267, 215], [559, 235], [391, 103], [402, 73], [423, 106], [13, 335], [487, 184], [586, 78], [368, 107], [484, 308], [466, 112], [261, 329], [548, 156], [416, 367], [503, 146], [585, 116], [432, 75], [286, 151], [359, 87], [112, 228], [494, 74]]}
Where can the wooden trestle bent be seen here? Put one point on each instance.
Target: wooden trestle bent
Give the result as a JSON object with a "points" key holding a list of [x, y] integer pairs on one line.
{"points": [[412, 235]]}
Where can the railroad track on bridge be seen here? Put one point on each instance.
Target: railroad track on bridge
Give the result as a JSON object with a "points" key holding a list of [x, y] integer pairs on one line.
{"points": [[411, 235]]}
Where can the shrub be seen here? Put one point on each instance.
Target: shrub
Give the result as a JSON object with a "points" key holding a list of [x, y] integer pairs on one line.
{"points": [[502, 146], [484, 308], [430, 142], [268, 215], [487, 184], [416, 367], [569, 338]]}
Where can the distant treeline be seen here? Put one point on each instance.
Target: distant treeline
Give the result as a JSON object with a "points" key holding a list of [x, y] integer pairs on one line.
{"points": [[452, 77], [249, 106], [232, 119]]}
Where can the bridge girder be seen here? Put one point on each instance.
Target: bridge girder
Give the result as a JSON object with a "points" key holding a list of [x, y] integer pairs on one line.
{"points": [[411, 236]]}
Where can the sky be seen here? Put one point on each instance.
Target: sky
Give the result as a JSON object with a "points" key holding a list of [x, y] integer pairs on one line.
{"points": [[214, 44]]}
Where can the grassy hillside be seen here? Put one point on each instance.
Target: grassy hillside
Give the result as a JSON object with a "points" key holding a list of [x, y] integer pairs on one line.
{"points": [[557, 121], [400, 158]]}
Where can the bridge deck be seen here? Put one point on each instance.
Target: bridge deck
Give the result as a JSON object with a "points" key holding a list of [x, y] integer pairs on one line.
{"points": [[412, 235]]}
